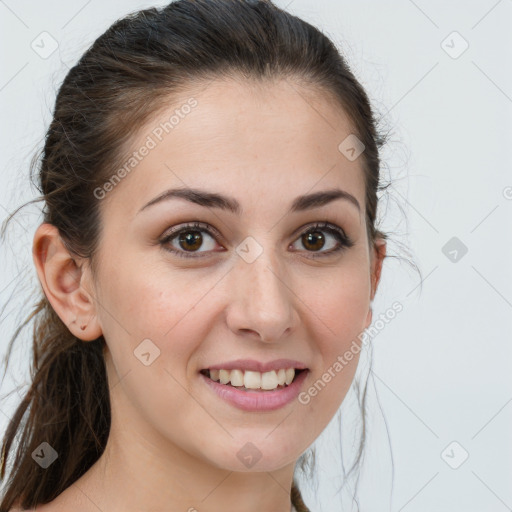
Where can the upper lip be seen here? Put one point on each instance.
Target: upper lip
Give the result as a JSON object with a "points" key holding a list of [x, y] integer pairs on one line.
{"points": [[258, 366]]}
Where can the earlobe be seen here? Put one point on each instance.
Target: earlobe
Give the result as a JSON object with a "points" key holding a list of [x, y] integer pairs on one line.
{"points": [[62, 281], [369, 318], [379, 254]]}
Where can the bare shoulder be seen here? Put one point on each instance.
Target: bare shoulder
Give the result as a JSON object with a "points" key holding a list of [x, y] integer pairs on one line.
{"points": [[71, 499], [53, 506], [47, 507]]}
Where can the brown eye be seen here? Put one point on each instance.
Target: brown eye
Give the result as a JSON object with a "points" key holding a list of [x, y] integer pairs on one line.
{"points": [[315, 239], [189, 239]]}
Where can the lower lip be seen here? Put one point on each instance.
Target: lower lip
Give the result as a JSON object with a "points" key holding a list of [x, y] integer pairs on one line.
{"points": [[257, 400]]}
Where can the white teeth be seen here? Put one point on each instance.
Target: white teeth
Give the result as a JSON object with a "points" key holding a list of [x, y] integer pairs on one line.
{"points": [[254, 380], [290, 373], [269, 380], [224, 376], [237, 378]]}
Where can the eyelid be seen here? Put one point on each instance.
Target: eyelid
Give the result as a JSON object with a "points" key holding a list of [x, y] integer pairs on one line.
{"points": [[200, 226], [323, 224]]}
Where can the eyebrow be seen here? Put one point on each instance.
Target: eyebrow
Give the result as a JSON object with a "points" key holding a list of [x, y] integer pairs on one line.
{"points": [[215, 200]]}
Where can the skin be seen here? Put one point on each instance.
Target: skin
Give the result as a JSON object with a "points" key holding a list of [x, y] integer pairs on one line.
{"points": [[173, 442]]}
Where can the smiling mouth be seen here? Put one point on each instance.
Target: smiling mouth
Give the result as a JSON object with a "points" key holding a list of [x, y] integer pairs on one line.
{"points": [[254, 381]]}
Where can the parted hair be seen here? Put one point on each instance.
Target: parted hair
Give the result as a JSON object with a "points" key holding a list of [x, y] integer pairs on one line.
{"points": [[126, 76]]}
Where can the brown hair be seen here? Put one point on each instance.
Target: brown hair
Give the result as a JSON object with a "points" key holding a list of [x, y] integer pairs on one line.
{"points": [[122, 79]]}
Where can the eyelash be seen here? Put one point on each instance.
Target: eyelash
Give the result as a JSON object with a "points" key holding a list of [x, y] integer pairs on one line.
{"points": [[344, 241]]}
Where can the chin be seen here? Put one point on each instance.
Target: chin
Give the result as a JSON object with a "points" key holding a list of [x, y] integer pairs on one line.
{"points": [[254, 453]]}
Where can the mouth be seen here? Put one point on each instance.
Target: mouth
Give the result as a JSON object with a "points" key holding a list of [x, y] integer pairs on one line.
{"points": [[253, 381]]}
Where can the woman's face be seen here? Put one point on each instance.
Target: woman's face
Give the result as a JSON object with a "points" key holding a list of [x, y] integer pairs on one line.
{"points": [[248, 283]]}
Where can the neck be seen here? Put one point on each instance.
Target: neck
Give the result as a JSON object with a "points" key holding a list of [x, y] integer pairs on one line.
{"points": [[179, 483], [172, 479]]}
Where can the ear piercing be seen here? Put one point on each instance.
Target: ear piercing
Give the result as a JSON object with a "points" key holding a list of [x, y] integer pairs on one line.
{"points": [[83, 326]]}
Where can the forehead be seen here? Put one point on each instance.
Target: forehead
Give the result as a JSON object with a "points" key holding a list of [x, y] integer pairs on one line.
{"points": [[272, 139]]}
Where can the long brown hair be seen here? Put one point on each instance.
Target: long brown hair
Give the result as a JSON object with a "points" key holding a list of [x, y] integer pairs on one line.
{"points": [[126, 75]]}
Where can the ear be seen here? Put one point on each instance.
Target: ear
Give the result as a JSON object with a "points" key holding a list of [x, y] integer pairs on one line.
{"points": [[64, 283], [377, 258]]}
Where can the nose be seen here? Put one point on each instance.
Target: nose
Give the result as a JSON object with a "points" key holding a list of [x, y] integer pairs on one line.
{"points": [[262, 304]]}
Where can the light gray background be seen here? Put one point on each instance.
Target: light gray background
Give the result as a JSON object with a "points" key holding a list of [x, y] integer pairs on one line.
{"points": [[442, 367]]}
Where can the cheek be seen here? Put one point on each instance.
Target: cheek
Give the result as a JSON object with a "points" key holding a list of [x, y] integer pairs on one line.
{"points": [[152, 328], [340, 303], [168, 308], [148, 300], [336, 315]]}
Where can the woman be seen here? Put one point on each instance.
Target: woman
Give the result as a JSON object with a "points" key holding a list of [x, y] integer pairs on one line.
{"points": [[209, 252]]}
